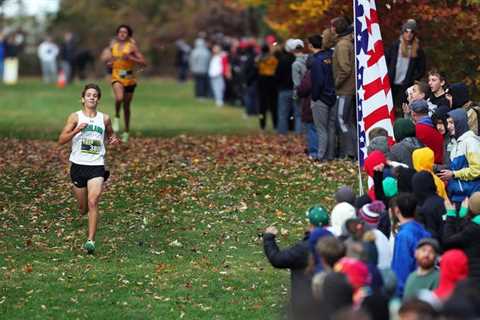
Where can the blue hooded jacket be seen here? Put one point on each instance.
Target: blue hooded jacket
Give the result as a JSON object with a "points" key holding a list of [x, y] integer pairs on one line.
{"points": [[323, 85], [403, 262]]}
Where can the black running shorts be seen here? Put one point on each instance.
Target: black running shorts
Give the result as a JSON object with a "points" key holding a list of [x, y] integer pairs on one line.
{"points": [[80, 174], [127, 89]]}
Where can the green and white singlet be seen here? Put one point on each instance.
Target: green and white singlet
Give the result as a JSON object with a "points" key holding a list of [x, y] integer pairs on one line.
{"points": [[88, 146]]}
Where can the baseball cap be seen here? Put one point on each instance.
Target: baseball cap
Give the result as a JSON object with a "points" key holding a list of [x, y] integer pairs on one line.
{"points": [[430, 241], [293, 44], [419, 106]]}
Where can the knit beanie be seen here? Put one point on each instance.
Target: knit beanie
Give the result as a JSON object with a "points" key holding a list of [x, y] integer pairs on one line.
{"points": [[390, 187], [410, 24], [459, 92], [318, 216], [355, 270], [339, 215], [361, 201], [403, 128], [370, 213], [404, 181]]}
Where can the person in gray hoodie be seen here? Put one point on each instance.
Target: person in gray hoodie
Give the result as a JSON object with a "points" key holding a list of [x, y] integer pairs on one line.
{"points": [[199, 62], [299, 69]]}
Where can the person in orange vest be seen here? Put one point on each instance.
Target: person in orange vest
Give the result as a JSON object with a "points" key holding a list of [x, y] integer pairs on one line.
{"points": [[122, 57]]}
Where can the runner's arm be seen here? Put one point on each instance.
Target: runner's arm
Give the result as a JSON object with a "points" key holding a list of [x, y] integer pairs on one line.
{"points": [[106, 56], [71, 129], [137, 57], [111, 137]]}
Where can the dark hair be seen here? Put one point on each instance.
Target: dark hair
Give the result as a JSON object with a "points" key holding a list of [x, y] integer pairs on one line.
{"points": [[340, 24], [126, 26], [92, 86], [423, 86], [330, 249], [406, 203], [437, 73], [377, 132], [265, 48], [315, 41], [422, 309]]}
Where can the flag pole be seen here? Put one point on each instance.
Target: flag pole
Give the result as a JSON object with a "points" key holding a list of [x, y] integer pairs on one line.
{"points": [[360, 182]]}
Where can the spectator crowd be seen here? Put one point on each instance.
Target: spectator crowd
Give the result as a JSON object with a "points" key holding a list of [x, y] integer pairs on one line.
{"points": [[410, 247]]}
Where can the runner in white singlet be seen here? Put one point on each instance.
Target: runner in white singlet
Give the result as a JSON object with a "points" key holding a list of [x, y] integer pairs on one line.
{"points": [[88, 129]]}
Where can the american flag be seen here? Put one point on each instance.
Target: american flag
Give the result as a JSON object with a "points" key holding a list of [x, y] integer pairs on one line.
{"points": [[374, 97]]}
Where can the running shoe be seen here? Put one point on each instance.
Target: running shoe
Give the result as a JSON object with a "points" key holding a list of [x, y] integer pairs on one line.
{"points": [[125, 137], [116, 124], [89, 246]]}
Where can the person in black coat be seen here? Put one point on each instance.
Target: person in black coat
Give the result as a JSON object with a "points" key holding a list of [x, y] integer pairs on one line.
{"points": [[462, 231], [299, 260], [430, 208], [405, 62], [296, 259]]}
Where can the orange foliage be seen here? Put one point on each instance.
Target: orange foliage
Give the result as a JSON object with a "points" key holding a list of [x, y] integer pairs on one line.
{"points": [[449, 30]]}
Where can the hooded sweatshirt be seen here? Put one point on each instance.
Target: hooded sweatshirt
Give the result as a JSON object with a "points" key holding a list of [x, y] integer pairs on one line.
{"points": [[340, 214], [423, 159], [199, 58], [459, 92], [404, 131], [427, 134], [403, 261], [430, 208], [461, 99], [323, 85], [299, 68], [464, 234], [465, 158], [453, 268], [375, 158], [316, 235]]}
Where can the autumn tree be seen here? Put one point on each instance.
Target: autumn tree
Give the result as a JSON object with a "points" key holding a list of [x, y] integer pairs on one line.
{"points": [[449, 30], [156, 23]]}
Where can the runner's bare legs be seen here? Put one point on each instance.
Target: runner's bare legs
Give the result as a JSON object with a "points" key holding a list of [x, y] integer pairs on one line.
{"points": [[94, 187]]}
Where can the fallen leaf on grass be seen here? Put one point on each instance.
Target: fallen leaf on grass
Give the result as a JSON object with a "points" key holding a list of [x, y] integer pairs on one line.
{"points": [[28, 268]]}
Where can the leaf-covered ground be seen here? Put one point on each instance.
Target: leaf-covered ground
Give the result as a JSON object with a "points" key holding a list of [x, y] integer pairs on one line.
{"points": [[178, 235]]}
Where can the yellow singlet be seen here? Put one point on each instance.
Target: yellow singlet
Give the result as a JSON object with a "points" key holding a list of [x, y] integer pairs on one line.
{"points": [[122, 70]]}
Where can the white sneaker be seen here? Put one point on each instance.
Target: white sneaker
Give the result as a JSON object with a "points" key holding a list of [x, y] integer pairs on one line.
{"points": [[116, 124]]}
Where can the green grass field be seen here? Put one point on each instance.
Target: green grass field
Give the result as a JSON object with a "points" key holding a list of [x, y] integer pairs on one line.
{"points": [[160, 108], [180, 216]]}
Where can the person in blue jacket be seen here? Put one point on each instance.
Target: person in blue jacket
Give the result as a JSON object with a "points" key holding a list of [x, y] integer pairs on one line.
{"points": [[323, 97], [409, 233]]}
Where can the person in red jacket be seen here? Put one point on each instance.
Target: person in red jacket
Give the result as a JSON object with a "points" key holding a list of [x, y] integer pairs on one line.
{"points": [[425, 131]]}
